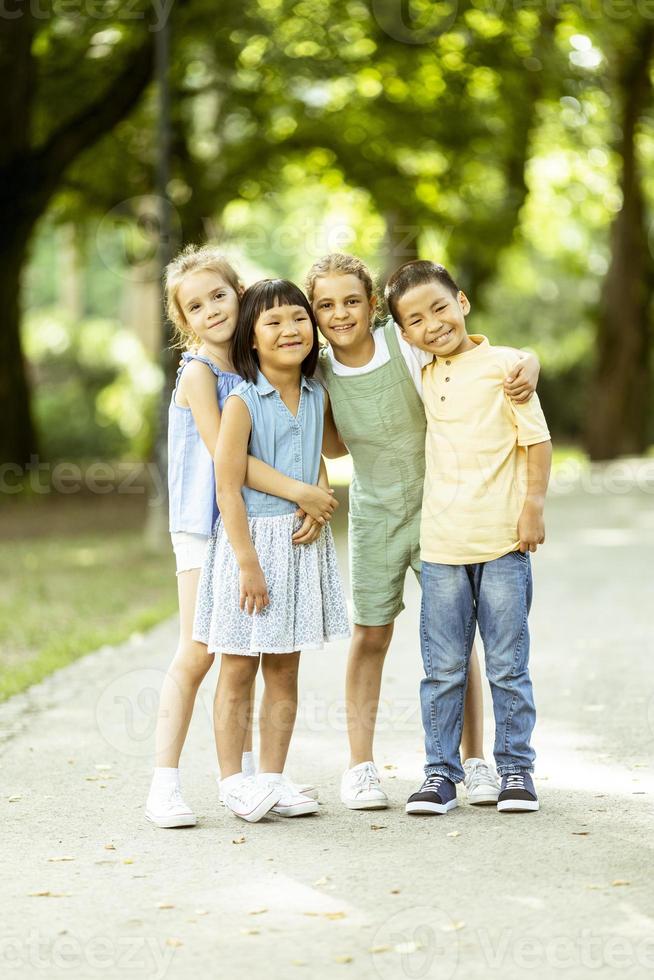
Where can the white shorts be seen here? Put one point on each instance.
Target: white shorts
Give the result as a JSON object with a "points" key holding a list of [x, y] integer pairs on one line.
{"points": [[189, 550]]}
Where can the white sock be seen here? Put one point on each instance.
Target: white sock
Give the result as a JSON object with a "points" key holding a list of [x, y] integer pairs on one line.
{"points": [[273, 776], [165, 775], [164, 778], [248, 764], [229, 782]]}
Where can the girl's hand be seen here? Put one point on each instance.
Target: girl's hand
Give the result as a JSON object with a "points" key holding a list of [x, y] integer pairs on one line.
{"points": [[317, 502], [521, 383], [310, 530], [253, 589]]}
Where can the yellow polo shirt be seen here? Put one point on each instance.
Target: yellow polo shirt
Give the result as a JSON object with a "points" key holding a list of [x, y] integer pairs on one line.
{"points": [[476, 479]]}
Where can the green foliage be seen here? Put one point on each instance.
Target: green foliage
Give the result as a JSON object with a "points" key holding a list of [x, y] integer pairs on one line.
{"points": [[96, 390], [84, 598]]}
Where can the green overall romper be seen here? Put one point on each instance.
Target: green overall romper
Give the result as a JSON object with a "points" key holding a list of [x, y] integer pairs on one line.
{"points": [[381, 420]]}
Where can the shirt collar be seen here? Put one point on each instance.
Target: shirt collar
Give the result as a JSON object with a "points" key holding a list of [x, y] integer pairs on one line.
{"points": [[264, 386], [478, 340]]}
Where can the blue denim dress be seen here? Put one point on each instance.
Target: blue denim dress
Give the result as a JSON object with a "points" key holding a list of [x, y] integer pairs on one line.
{"points": [[191, 483], [307, 605]]}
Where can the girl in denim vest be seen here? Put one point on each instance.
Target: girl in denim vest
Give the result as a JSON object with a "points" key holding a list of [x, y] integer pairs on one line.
{"points": [[261, 598], [203, 296]]}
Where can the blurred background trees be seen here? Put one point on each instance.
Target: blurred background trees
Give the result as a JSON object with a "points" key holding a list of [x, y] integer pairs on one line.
{"points": [[512, 141]]}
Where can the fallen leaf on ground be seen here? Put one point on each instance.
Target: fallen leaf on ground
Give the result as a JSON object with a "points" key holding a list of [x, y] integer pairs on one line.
{"points": [[342, 959], [620, 881], [396, 891], [103, 767], [91, 779], [48, 894], [249, 932], [378, 826], [15, 799], [62, 857], [165, 905], [321, 881], [334, 915], [454, 833], [257, 911], [201, 912], [380, 949], [110, 847], [390, 767], [174, 942], [580, 833], [594, 888], [238, 840], [128, 860]]}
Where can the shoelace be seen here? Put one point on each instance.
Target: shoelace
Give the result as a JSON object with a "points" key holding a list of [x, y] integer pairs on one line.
{"points": [[367, 777], [481, 773], [515, 780], [432, 782]]}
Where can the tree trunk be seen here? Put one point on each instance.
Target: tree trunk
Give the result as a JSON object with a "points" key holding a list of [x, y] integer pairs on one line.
{"points": [[401, 240], [17, 434], [620, 390]]}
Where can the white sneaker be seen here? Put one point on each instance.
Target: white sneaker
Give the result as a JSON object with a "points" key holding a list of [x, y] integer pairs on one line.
{"points": [[481, 782], [306, 789], [361, 788], [251, 799], [167, 808], [291, 802]]}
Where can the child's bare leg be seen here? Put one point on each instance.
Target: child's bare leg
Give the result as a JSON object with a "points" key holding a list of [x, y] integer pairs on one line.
{"points": [[278, 709], [232, 710], [472, 739], [184, 676], [363, 685], [247, 745]]}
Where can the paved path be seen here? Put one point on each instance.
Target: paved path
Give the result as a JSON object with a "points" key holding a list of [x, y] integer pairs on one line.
{"points": [[563, 893]]}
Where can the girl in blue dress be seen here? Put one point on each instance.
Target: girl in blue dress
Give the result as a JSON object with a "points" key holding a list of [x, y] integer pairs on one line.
{"points": [[203, 297], [262, 599]]}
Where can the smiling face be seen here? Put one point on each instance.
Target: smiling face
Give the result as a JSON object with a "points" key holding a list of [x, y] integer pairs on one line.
{"points": [[432, 318], [343, 310], [209, 306], [283, 337]]}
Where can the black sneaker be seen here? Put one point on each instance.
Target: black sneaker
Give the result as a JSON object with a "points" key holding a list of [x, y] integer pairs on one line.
{"points": [[436, 795], [517, 793]]}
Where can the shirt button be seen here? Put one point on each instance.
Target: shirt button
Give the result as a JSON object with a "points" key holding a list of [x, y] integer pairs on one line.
{"points": [[448, 363], [447, 379], [442, 398]]}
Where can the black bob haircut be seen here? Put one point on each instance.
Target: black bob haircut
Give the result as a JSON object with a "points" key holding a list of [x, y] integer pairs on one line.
{"points": [[413, 274], [262, 296]]}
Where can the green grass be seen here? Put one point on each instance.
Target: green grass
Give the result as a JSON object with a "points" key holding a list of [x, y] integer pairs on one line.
{"points": [[69, 593]]}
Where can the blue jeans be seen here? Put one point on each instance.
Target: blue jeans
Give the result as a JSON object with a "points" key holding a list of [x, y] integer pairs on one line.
{"points": [[497, 595]]}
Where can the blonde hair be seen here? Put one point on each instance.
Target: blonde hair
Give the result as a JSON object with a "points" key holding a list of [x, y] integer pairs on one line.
{"points": [[193, 258], [342, 265]]}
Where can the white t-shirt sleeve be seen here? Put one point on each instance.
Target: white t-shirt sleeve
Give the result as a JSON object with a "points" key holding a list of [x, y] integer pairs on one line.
{"points": [[415, 358]]}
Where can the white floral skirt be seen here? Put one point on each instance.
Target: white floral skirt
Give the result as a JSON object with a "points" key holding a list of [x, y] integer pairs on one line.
{"points": [[307, 606]]}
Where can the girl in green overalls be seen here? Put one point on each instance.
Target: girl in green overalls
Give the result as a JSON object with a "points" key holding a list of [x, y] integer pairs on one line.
{"points": [[374, 381]]}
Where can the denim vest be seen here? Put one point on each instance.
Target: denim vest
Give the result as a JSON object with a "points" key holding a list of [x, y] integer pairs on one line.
{"points": [[191, 482], [290, 444]]}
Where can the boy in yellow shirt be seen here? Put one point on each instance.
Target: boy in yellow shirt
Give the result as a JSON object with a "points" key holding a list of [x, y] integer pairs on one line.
{"points": [[488, 462]]}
